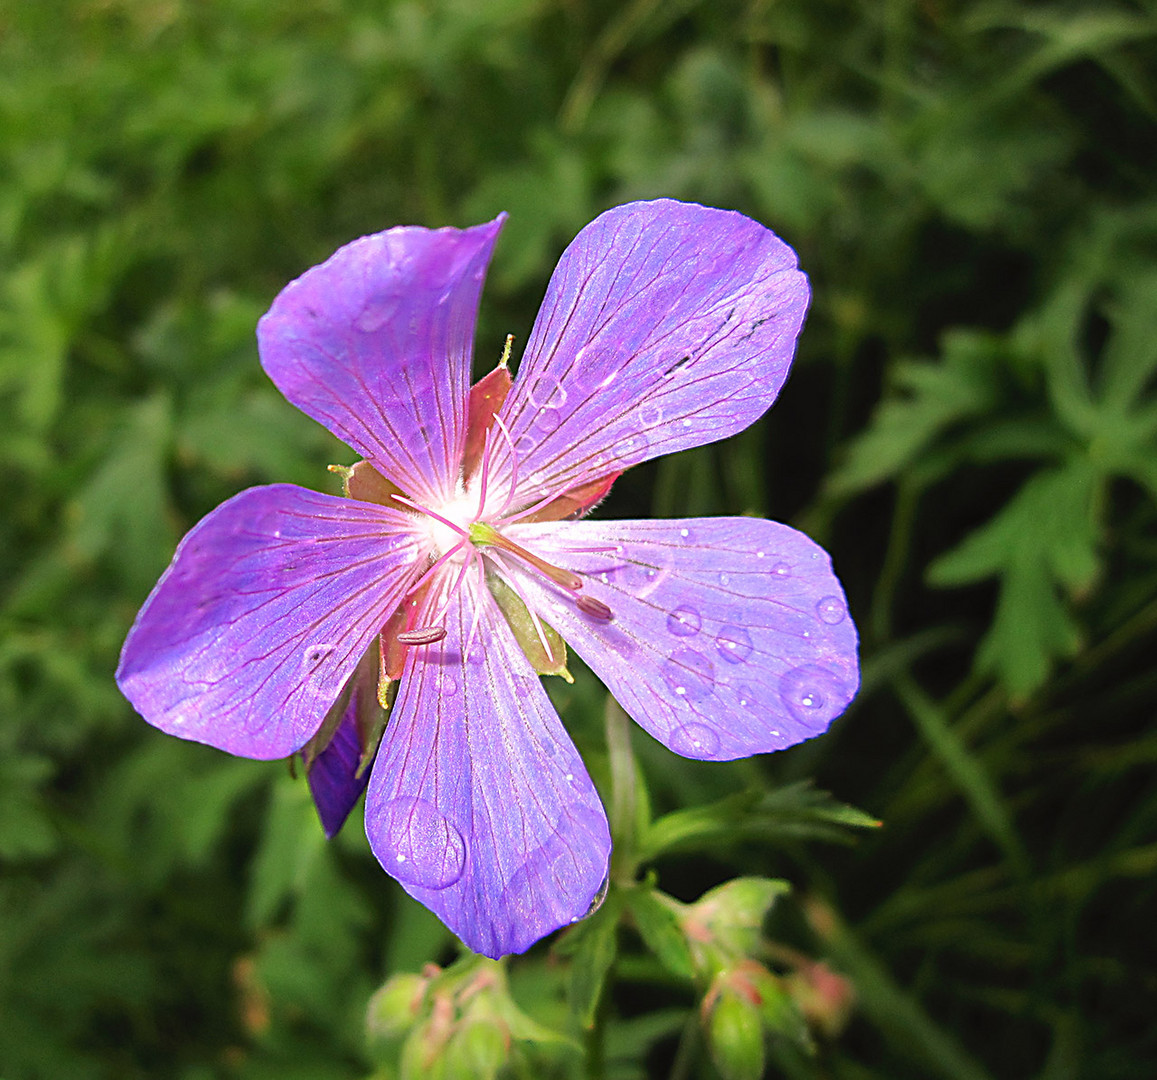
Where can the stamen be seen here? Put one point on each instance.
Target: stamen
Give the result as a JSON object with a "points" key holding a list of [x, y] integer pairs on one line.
{"points": [[422, 635], [596, 609], [481, 533], [513, 462], [421, 578], [430, 513], [536, 507], [487, 444], [475, 560]]}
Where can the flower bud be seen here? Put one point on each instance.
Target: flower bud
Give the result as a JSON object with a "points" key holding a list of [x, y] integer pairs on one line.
{"points": [[735, 1029], [478, 1050], [394, 1008], [825, 998], [723, 926]]}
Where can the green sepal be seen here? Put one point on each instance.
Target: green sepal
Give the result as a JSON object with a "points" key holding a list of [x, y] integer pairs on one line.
{"points": [[525, 633]]}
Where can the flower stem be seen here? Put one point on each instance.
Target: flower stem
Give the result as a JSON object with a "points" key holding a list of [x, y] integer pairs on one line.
{"points": [[624, 794]]}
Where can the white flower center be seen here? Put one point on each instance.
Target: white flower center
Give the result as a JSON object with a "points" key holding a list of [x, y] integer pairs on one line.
{"points": [[460, 512]]}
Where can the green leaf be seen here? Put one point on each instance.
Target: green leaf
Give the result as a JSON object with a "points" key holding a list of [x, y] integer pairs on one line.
{"points": [[1044, 539], [592, 946], [791, 813], [657, 921], [926, 399]]}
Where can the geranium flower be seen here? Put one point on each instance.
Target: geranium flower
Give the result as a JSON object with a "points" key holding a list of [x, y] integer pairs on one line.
{"points": [[289, 620]]}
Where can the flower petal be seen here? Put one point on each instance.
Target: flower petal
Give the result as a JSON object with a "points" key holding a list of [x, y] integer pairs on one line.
{"points": [[334, 783], [376, 344], [727, 637], [665, 325], [479, 803], [263, 614]]}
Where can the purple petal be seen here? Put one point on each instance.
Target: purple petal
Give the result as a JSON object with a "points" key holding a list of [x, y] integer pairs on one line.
{"points": [[263, 614], [376, 344], [728, 636], [479, 804], [333, 780], [665, 325]]}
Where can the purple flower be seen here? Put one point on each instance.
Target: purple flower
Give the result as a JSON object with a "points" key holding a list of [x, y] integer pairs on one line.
{"points": [[438, 587]]}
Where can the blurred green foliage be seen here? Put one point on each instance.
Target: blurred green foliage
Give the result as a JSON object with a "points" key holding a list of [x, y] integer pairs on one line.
{"points": [[971, 430]]}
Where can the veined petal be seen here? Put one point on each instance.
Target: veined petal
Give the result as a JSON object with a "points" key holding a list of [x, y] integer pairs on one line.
{"points": [[333, 777], [727, 637], [479, 803], [263, 614], [376, 344], [665, 325]]}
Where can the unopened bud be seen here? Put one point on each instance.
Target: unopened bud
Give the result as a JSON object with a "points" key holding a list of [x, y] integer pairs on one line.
{"points": [[477, 1051], [394, 1008], [735, 1031], [723, 926], [825, 998]]}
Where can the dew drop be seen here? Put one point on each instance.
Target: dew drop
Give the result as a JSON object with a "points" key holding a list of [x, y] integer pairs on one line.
{"points": [[377, 313], [545, 392], [814, 695], [548, 419], [831, 610], [747, 698], [596, 900], [694, 741], [724, 579], [689, 674], [631, 449], [685, 533], [426, 847], [781, 569], [651, 415], [449, 686], [733, 643], [684, 622]]}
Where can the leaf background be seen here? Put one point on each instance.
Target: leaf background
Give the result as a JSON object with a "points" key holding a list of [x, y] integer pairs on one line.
{"points": [[970, 429]]}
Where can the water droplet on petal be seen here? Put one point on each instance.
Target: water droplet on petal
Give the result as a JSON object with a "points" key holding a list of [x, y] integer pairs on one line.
{"points": [[814, 695], [689, 674], [377, 313], [631, 449], [733, 643], [449, 685], [724, 579], [685, 534], [746, 696], [548, 419], [546, 391], [597, 899], [781, 569], [694, 741], [651, 415], [831, 610], [422, 846], [684, 622]]}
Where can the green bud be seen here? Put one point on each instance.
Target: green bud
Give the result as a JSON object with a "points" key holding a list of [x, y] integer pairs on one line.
{"points": [[394, 1009], [723, 926], [478, 1051], [735, 1031]]}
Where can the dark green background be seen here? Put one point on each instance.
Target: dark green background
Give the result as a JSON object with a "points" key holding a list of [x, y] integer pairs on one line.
{"points": [[971, 429]]}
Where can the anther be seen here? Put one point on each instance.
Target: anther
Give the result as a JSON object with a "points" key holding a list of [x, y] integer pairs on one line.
{"points": [[596, 609], [422, 635]]}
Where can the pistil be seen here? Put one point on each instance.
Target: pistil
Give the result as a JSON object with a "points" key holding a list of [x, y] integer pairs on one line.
{"points": [[487, 536]]}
